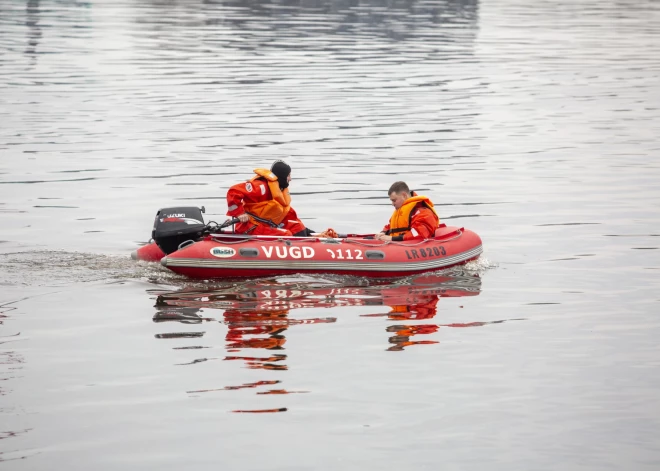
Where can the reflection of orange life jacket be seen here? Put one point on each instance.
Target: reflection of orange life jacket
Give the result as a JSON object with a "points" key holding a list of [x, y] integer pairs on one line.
{"points": [[402, 217], [416, 311], [274, 209], [269, 343]]}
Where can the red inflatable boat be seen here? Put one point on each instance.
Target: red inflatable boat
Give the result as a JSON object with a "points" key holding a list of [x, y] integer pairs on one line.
{"points": [[226, 255], [188, 246]]}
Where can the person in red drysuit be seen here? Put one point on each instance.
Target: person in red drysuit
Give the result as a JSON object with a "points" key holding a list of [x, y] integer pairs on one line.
{"points": [[263, 204], [414, 217]]}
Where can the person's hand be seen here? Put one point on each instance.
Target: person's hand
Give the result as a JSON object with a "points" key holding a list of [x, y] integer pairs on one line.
{"points": [[243, 217], [383, 237]]}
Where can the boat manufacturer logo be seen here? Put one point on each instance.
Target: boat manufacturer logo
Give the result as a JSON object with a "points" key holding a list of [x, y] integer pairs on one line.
{"points": [[223, 252]]}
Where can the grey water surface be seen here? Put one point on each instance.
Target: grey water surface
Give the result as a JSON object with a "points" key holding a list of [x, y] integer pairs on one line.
{"points": [[533, 123]]}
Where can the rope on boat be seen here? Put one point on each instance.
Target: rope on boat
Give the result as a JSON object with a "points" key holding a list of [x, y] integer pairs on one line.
{"points": [[402, 243], [365, 244], [347, 241]]}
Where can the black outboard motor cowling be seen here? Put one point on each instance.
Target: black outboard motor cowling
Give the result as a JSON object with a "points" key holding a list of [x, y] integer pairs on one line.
{"points": [[173, 226]]}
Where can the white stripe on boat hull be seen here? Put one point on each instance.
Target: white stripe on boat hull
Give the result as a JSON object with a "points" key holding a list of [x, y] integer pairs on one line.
{"points": [[292, 265]]}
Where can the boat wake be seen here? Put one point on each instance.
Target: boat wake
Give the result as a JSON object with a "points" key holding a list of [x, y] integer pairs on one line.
{"points": [[59, 268], [479, 266]]}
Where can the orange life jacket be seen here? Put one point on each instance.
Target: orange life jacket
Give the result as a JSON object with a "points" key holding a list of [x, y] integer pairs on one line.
{"points": [[274, 209], [402, 217]]}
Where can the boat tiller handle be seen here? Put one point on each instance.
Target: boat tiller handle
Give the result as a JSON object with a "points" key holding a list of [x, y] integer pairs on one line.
{"points": [[229, 222], [212, 227]]}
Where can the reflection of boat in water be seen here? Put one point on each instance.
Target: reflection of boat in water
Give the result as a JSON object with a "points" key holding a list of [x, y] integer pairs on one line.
{"points": [[259, 313], [266, 295]]}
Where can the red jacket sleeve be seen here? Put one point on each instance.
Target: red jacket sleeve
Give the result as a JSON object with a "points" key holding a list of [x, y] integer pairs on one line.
{"points": [[292, 222], [291, 215], [422, 226], [250, 191]]}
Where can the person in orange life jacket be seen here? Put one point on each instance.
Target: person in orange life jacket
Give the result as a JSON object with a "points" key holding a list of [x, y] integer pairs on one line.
{"points": [[263, 204], [414, 217]]}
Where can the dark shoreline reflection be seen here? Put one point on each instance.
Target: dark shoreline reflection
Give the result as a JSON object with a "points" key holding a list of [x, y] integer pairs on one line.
{"points": [[260, 22], [34, 33], [259, 315]]}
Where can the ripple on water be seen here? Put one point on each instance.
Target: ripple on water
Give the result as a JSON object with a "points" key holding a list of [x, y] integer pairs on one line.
{"points": [[534, 114], [60, 268]]}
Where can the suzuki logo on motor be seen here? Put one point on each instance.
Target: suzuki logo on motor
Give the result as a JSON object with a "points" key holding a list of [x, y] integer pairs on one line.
{"points": [[223, 252], [176, 215]]}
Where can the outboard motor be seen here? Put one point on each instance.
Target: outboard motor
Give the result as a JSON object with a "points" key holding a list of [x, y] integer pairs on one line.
{"points": [[173, 226]]}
